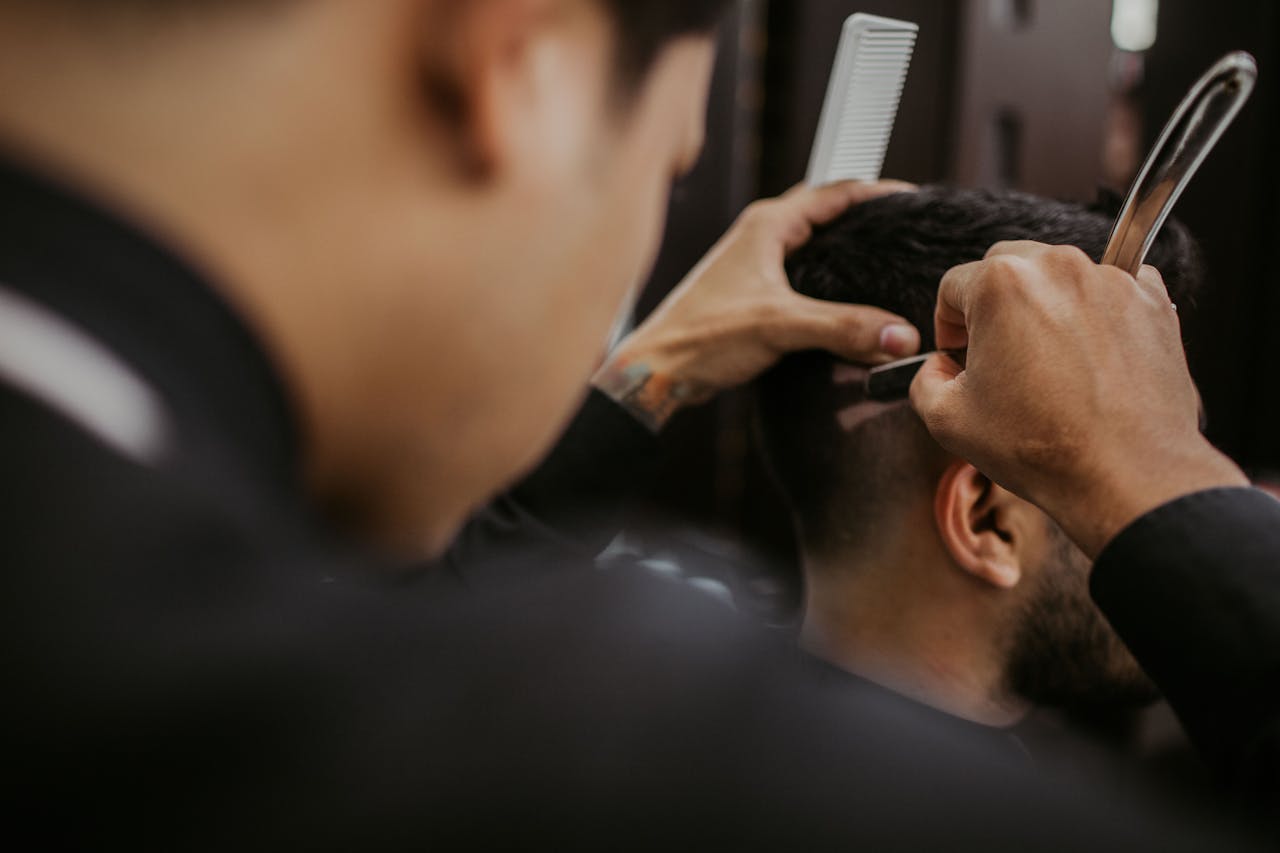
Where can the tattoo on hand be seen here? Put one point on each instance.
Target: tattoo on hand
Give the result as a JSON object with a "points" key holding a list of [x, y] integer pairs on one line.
{"points": [[652, 398]]}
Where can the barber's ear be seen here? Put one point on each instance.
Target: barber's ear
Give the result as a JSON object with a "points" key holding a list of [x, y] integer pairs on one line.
{"points": [[504, 79], [984, 528]]}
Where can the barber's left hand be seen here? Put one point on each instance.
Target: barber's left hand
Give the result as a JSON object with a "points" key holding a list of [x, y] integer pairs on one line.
{"points": [[736, 315]]}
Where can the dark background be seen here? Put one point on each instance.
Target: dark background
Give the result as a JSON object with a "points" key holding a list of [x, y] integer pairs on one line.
{"points": [[1052, 66]]}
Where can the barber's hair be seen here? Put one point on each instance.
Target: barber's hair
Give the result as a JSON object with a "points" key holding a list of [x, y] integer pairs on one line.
{"points": [[892, 253], [643, 27]]}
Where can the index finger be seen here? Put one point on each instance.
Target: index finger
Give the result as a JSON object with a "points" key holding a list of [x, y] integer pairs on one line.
{"points": [[950, 317], [820, 205], [1019, 248]]}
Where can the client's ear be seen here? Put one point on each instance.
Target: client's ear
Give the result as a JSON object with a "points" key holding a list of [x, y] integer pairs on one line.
{"points": [[985, 528]]}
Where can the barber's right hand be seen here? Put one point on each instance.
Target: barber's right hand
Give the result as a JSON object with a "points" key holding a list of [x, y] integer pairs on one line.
{"points": [[1075, 393]]}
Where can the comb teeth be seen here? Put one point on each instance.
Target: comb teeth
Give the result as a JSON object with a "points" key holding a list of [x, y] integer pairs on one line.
{"points": [[862, 99]]}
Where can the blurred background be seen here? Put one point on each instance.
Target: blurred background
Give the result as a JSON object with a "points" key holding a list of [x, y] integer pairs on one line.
{"points": [[1056, 97]]}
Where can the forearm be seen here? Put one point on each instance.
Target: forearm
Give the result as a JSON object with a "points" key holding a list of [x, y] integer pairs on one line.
{"points": [[1094, 508]]}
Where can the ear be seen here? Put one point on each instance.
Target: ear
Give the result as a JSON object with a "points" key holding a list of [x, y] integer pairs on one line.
{"points": [[511, 78], [986, 529]]}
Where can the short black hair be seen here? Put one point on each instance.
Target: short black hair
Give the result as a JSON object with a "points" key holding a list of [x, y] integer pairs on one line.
{"points": [[643, 27], [892, 253]]}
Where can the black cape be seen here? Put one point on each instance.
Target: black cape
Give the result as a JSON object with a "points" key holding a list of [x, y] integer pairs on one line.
{"points": [[194, 661]]}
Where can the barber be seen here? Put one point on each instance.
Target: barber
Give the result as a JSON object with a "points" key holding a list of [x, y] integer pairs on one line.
{"points": [[290, 286], [1076, 395]]}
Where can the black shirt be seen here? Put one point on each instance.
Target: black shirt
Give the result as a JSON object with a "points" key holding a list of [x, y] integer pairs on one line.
{"points": [[194, 660]]}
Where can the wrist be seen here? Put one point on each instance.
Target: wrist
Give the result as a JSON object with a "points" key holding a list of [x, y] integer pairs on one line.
{"points": [[645, 383], [1095, 512]]}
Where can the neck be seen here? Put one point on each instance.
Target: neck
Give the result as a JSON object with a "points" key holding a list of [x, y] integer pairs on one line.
{"points": [[890, 620]]}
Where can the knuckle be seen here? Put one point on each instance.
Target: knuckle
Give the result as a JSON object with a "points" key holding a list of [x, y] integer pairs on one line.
{"points": [[1070, 269], [759, 213], [1000, 250], [1118, 280], [770, 314], [1070, 258], [1070, 254], [1150, 279], [1150, 272], [1004, 272], [1015, 248]]}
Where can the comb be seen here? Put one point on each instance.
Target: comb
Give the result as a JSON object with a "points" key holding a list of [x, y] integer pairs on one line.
{"points": [[862, 99]]}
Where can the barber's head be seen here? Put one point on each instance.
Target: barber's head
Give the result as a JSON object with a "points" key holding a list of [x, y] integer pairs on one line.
{"points": [[431, 209], [883, 512]]}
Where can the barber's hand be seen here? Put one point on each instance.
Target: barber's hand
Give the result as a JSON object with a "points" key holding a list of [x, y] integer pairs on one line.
{"points": [[736, 315], [1075, 392]]}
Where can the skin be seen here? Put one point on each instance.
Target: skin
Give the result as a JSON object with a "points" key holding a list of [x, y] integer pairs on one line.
{"points": [[689, 350], [1118, 437], [936, 606], [430, 213]]}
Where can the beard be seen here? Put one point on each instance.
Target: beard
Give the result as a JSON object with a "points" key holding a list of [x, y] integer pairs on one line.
{"points": [[1064, 654]]}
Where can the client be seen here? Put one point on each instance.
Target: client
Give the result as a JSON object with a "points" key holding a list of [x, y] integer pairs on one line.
{"points": [[922, 575]]}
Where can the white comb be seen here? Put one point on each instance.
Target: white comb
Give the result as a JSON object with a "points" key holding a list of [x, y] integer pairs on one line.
{"points": [[862, 99]]}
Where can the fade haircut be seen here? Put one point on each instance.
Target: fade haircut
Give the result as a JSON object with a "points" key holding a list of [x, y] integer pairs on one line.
{"points": [[892, 253]]}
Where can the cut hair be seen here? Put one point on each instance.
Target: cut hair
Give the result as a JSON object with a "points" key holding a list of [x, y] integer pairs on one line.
{"points": [[892, 253]]}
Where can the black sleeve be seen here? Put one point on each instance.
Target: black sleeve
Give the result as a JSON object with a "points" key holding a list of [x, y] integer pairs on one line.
{"points": [[189, 675], [570, 508], [1193, 588]]}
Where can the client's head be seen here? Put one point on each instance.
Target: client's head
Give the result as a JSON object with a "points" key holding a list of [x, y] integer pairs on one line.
{"points": [[920, 572]]}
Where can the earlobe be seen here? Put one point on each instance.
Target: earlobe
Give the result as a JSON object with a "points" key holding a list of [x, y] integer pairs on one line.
{"points": [[976, 527]]}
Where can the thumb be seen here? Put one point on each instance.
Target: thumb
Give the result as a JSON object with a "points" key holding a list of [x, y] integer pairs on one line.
{"points": [[934, 392], [856, 333]]}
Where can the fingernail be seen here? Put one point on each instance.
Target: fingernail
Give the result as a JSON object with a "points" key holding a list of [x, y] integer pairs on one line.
{"points": [[899, 340], [849, 374]]}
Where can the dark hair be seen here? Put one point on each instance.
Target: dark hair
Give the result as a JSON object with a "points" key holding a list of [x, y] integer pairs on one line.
{"points": [[892, 253], [645, 27]]}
